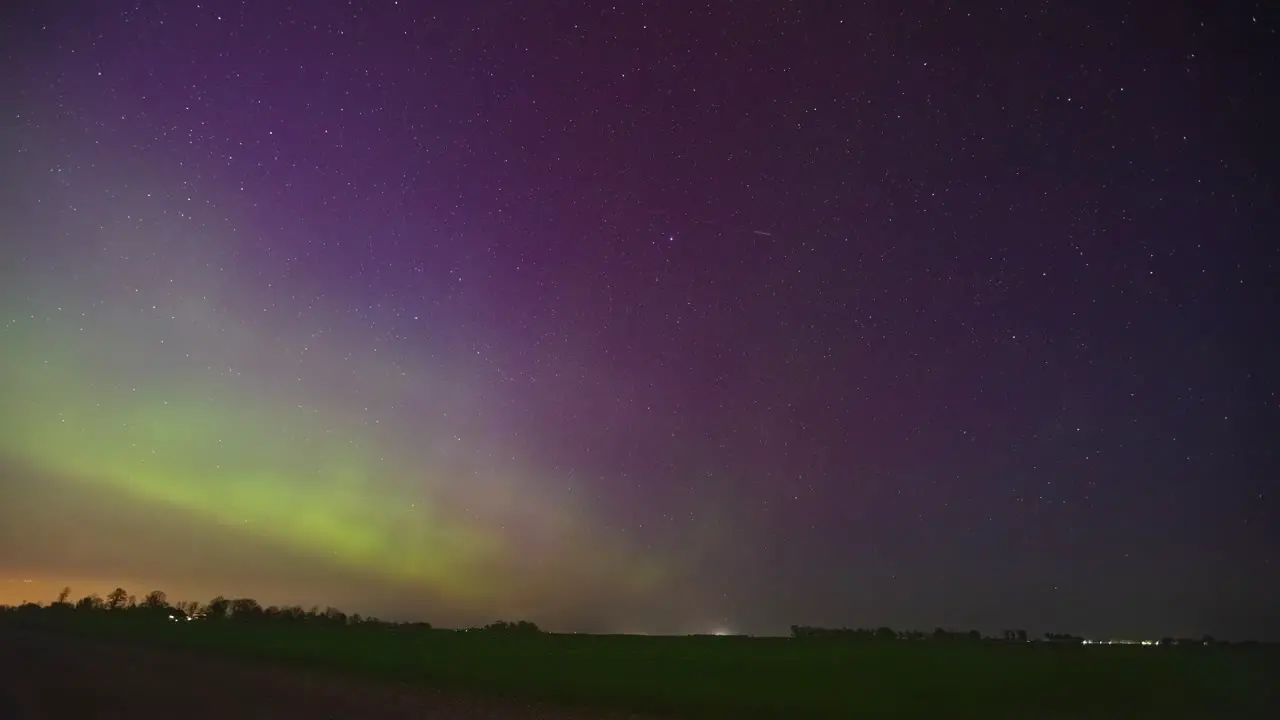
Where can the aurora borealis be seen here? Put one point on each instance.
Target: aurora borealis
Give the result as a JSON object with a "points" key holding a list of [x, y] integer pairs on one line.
{"points": [[165, 389], [645, 317]]}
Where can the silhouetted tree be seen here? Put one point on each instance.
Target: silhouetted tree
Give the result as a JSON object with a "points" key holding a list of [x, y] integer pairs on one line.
{"points": [[504, 627], [90, 602], [61, 604], [155, 600], [246, 609], [117, 598], [216, 609], [804, 632]]}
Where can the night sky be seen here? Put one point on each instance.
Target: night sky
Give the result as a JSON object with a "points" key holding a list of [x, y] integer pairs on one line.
{"points": [[648, 316]]}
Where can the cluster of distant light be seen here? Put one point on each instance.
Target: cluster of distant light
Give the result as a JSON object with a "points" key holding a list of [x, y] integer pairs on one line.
{"points": [[1124, 642]]}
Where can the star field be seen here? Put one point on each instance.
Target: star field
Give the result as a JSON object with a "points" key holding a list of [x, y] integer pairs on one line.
{"points": [[648, 316]]}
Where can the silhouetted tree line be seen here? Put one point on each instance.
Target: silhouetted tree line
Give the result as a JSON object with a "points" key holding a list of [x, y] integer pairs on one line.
{"points": [[241, 610], [247, 610], [251, 611], [1015, 635], [883, 634], [804, 632], [523, 627], [156, 603]]}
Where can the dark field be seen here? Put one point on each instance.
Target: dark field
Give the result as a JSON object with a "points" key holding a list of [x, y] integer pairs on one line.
{"points": [[723, 677], [56, 676]]}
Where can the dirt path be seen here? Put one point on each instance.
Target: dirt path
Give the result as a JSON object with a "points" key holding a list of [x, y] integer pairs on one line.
{"points": [[45, 676]]}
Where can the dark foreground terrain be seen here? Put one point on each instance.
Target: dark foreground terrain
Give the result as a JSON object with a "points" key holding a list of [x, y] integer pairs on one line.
{"points": [[88, 665], [55, 676]]}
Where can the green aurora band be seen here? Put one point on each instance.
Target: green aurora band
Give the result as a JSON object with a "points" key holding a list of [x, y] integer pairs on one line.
{"points": [[126, 380]]}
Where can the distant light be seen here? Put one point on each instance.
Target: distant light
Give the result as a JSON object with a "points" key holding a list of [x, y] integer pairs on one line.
{"points": [[722, 632]]}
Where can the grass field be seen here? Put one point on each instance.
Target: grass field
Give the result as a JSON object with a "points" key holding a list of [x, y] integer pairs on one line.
{"points": [[738, 677]]}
